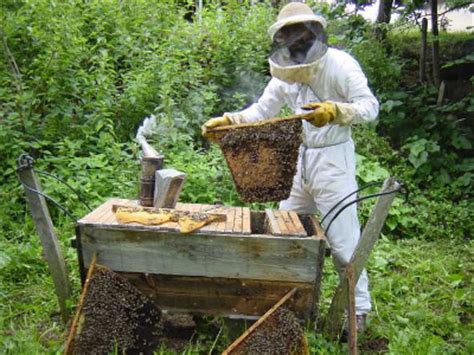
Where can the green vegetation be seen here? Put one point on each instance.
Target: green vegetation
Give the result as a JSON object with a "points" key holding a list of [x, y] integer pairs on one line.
{"points": [[89, 72]]}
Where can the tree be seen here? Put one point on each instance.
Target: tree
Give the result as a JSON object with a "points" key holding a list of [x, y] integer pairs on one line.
{"points": [[435, 45], [385, 11]]}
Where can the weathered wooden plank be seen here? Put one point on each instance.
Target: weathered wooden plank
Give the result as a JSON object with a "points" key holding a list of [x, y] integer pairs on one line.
{"points": [[44, 226], [361, 254], [288, 222], [230, 221], [96, 215], [246, 222], [108, 216], [220, 226], [91, 215], [293, 224], [282, 223], [219, 296], [319, 232], [237, 228], [229, 256], [271, 222], [298, 226]]}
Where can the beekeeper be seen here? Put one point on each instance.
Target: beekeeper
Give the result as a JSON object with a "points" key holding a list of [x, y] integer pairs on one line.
{"points": [[330, 86]]}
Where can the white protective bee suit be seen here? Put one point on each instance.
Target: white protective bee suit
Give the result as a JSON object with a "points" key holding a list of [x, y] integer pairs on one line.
{"points": [[326, 163]]}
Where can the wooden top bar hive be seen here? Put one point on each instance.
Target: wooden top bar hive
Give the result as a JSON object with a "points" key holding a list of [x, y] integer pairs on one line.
{"points": [[239, 267]]}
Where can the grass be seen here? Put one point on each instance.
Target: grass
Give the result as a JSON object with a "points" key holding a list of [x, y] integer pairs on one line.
{"points": [[422, 295]]}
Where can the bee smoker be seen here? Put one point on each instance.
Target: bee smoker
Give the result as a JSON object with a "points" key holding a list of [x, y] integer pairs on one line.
{"points": [[165, 191], [150, 164]]}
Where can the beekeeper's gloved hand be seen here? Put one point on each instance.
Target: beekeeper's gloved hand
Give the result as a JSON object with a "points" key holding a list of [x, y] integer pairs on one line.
{"points": [[225, 120], [213, 123], [322, 114]]}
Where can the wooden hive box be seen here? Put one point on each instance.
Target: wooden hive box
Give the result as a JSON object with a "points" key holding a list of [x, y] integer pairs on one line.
{"points": [[231, 268]]}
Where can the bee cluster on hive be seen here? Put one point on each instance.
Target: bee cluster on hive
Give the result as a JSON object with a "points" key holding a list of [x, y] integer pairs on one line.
{"points": [[281, 333], [115, 315], [262, 158]]}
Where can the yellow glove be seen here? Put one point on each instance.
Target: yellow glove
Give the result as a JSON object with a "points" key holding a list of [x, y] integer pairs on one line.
{"points": [[323, 113], [213, 123]]}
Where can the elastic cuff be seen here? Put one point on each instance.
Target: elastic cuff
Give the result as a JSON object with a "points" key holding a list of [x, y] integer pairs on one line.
{"points": [[234, 118], [344, 113]]}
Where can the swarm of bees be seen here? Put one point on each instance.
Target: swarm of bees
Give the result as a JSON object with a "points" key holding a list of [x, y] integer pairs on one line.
{"points": [[281, 334], [262, 158], [116, 315]]}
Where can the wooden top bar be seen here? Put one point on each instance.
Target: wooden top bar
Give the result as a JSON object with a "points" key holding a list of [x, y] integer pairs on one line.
{"points": [[238, 218], [287, 223]]}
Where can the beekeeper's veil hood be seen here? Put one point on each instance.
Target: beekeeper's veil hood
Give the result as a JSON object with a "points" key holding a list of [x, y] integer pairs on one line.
{"points": [[299, 41]]}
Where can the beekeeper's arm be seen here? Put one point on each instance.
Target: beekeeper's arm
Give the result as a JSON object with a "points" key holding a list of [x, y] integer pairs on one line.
{"points": [[267, 106], [361, 106]]}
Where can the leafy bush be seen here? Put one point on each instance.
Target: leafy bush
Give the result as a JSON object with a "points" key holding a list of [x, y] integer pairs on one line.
{"points": [[90, 72]]}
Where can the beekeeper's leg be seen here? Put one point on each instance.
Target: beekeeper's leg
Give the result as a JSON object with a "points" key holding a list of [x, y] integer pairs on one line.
{"points": [[332, 172], [300, 199]]}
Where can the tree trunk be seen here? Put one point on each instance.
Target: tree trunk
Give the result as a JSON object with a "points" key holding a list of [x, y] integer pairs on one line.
{"points": [[435, 45], [383, 17], [424, 30], [385, 11]]}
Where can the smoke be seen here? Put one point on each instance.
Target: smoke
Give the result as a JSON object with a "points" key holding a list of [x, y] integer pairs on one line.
{"points": [[247, 88], [201, 103]]}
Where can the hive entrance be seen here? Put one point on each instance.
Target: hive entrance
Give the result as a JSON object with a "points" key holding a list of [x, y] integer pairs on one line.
{"points": [[262, 157]]}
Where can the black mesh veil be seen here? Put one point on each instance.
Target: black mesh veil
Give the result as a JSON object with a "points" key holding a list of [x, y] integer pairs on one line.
{"points": [[299, 43]]}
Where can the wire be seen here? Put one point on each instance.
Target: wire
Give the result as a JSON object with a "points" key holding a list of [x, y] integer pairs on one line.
{"points": [[24, 162], [79, 196], [401, 187], [370, 184], [57, 204]]}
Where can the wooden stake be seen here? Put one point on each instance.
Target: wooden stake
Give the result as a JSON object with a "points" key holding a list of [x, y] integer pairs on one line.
{"points": [[72, 333], [360, 256], [44, 226], [351, 310], [315, 316]]}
